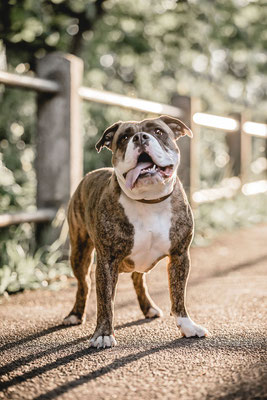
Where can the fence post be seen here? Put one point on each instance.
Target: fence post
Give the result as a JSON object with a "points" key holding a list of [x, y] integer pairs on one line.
{"points": [[59, 162], [194, 151], [246, 150], [189, 167], [233, 141]]}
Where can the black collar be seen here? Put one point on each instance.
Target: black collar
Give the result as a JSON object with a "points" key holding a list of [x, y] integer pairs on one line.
{"points": [[153, 201]]}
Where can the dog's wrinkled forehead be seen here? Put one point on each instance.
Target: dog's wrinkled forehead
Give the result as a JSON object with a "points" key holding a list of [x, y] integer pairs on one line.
{"points": [[128, 127], [164, 128], [156, 128]]}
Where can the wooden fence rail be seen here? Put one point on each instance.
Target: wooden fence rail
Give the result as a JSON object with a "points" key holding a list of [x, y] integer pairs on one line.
{"points": [[59, 142], [28, 82], [34, 216]]}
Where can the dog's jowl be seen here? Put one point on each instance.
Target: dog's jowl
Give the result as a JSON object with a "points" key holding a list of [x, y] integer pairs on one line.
{"points": [[133, 215]]}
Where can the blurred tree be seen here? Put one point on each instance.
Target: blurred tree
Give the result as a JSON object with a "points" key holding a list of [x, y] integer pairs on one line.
{"points": [[30, 28], [211, 48], [216, 49]]}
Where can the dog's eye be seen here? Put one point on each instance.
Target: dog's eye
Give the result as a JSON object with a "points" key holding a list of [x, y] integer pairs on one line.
{"points": [[158, 131], [124, 138]]}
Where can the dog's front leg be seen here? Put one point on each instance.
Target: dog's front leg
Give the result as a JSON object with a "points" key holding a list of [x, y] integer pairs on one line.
{"points": [[106, 282], [178, 270]]}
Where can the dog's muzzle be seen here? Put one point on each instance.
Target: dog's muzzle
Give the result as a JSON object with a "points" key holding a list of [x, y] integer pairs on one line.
{"points": [[141, 138], [147, 167]]}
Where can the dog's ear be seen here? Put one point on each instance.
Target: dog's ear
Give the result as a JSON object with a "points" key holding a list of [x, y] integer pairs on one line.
{"points": [[178, 127], [107, 137]]}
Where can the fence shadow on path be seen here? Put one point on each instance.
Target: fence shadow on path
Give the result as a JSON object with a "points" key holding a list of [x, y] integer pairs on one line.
{"points": [[37, 335], [138, 322], [206, 344], [240, 266], [234, 268], [114, 365], [231, 343], [32, 357], [194, 282]]}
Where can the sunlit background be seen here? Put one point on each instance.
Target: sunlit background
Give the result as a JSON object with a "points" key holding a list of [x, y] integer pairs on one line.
{"points": [[152, 50]]}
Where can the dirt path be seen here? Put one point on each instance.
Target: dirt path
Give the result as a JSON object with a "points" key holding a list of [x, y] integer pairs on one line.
{"points": [[39, 359]]}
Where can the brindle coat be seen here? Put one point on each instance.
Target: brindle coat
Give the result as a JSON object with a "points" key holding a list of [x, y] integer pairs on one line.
{"points": [[107, 229], [98, 221]]}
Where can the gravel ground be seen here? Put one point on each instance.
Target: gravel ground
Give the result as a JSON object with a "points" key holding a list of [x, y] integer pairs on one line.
{"points": [[40, 359]]}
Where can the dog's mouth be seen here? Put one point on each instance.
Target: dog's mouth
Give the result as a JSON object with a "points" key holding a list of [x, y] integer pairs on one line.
{"points": [[146, 167]]}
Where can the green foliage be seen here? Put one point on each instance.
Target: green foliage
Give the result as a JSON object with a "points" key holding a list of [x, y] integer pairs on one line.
{"points": [[154, 49], [228, 214], [23, 267], [17, 152], [32, 28], [212, 49]]}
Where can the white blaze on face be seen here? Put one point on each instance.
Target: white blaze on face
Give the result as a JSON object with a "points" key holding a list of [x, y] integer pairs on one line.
{"points": [[152, 188], [154, 149], [130, 159]]}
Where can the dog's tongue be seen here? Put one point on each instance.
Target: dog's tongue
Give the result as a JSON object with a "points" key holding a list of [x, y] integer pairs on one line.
{"points": [[133, 174]]}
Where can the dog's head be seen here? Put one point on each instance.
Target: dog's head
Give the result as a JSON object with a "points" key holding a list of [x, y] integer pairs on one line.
{"points": [[145, 154]]}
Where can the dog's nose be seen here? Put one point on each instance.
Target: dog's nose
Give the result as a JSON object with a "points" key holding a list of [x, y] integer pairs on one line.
{"points": [[141, 138]]}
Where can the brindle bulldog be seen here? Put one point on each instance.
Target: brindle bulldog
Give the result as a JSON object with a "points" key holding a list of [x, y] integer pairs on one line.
{"points": [[133, 215]]}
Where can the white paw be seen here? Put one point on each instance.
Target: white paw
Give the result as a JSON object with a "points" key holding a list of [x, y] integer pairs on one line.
{"points": [[103, 342], [190, 329], [154, 313], [72, 320]]}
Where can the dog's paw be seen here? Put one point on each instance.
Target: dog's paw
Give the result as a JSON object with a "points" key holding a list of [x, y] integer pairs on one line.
{"points": [[73, 319], [154, 312], [189, 329], [103, 342]]}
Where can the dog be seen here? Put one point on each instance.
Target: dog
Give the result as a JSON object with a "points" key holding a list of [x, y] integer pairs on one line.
{"points": [[133, 215]]}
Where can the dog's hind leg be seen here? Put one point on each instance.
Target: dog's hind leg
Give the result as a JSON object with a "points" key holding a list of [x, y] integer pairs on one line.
{"points": [[81, 260], [149, 308]]}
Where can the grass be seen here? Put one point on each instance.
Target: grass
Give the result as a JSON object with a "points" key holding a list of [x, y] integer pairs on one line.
{"points": [[24, 268]]}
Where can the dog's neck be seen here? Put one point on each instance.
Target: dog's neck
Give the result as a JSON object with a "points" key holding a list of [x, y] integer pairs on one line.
{"points": [[154, 201], [152, 194]]}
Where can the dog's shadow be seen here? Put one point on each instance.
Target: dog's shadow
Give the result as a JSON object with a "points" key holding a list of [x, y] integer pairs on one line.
{"points": [[138, 322]]}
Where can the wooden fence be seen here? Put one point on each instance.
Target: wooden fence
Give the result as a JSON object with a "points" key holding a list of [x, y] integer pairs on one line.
{"points": [[59, 141]]}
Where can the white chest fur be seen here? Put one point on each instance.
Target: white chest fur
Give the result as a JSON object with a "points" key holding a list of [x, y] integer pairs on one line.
{"points": [[152, 224]]}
